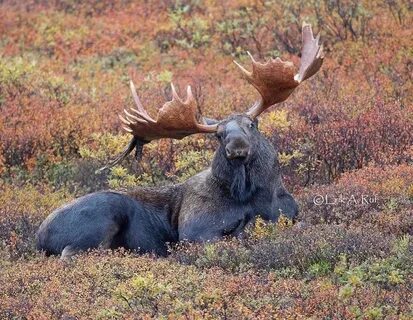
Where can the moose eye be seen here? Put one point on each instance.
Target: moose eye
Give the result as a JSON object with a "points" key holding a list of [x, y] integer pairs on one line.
{"points": [[252, 125]]}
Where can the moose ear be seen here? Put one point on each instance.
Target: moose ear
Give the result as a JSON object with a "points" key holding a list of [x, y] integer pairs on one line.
{"points": [[210, 121], [136, 144]]}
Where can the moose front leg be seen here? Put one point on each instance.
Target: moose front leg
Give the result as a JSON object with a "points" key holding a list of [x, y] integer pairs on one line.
{"points": [[236, 228], [210, 227]]}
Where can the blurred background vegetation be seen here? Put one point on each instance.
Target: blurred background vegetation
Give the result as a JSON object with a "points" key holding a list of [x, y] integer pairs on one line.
{"points": [[64, 72], [65, 66]]}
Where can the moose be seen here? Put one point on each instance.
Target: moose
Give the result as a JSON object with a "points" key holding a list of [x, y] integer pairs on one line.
{"points": [[244, 180]]}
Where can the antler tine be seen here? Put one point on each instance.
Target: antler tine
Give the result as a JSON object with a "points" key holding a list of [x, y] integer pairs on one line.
{"points": [[189, 95], [275, 79], [136, 98], [251, 57], [177, 118], [134, 118], [127, 122], [244, 71], [312, 54], [141, 112], [174, 93]]}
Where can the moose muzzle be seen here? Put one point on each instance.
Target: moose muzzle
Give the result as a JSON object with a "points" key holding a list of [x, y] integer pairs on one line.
{"points": [[237, 146]]}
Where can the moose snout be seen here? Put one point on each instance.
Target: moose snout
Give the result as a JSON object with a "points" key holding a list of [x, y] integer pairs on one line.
{"points": [[238, 153], [237, 149]]}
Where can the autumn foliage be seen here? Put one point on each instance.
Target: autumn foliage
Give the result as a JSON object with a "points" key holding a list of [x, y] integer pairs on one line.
{"points": [[345, 138]]}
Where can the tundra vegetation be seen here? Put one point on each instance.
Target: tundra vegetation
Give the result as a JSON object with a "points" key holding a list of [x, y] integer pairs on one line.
{"points": [[345, 134]]}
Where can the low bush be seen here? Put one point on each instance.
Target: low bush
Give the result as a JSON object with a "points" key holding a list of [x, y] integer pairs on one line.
{"points": [[303, 249], [380, 196], [116, 285], [22, 209]]}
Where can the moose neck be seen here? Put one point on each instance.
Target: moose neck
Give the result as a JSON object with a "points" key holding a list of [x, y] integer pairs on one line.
{"points": [[243, 180]]}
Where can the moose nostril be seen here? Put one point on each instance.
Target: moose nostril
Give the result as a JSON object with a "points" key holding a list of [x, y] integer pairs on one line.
{"points": [[238, 153], [243, 153], [227, 151]]}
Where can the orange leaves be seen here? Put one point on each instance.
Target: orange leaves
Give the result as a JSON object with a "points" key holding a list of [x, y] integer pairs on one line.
{"points": [[334, 141]]}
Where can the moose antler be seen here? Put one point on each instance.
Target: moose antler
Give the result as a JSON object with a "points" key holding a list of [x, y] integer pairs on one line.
{"points": [[176, 119], [275, 80]]}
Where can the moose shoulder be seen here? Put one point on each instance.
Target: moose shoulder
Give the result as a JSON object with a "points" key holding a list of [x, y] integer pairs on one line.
{"points": [[243, 181]]}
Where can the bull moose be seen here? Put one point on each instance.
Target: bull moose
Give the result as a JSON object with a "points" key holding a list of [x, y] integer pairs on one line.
{"points": [[243, 181]]}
